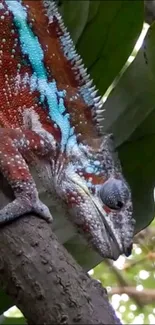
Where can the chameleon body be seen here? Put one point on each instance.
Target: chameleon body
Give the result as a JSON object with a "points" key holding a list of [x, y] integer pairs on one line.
{"points": [[50, 118]]}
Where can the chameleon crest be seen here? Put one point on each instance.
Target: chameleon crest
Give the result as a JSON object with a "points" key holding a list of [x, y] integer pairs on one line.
{"points": [[50, 118]]}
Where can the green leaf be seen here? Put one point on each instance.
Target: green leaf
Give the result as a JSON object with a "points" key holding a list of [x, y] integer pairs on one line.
{"points": [[130, 115], [75, 14], [13, 321], [105, 33], [108, 39], [5, 301], [93, 9]]}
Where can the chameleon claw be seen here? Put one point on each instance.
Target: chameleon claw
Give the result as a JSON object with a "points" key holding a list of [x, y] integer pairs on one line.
{"points": [[21, 206], [43, 211]]}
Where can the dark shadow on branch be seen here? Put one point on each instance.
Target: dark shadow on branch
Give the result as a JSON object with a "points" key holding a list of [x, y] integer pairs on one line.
{"points": [[149, 11]]}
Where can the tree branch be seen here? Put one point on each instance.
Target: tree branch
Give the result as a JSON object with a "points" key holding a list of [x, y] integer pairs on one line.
{"points": [[146, 296], [122, 281], [46, 284]]}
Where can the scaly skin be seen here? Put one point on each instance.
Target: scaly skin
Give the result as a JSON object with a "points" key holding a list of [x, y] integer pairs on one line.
{"points": [[49, 116]]}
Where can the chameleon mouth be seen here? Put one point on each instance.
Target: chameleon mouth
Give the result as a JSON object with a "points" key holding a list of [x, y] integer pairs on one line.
{"points": [[103, 215], [116, 247]]}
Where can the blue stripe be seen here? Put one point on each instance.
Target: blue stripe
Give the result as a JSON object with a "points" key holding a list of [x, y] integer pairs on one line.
{"points": [[48, 90]]}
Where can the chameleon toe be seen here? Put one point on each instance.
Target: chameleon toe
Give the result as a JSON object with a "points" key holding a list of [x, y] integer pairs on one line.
{"points": [[43, 211]]}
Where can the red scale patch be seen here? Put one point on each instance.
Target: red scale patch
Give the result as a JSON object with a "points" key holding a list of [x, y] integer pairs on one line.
{"points": [[15, 97], [62, 69]]}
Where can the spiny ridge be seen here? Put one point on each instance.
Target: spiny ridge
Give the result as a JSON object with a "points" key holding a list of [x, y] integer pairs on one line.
{"points": [[86, 88]]}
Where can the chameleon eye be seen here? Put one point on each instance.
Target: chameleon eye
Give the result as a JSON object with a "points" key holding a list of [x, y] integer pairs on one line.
{"points": [[114, 193]]}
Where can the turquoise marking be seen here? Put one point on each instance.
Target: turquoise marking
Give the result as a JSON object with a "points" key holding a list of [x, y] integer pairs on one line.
{"points": [[89, 169], [33, 82], [97, 162], [48, 90]]}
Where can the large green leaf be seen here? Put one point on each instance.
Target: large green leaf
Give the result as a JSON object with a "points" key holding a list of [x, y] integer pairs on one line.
{"points": [[130, 115], [109, 38]]}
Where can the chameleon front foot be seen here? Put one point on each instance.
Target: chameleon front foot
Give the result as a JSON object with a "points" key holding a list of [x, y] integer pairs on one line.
{"points": [[13, 145], [21, 206]]}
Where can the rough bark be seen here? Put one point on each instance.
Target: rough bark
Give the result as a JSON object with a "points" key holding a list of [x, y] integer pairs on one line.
{"points": [[43, 279]]}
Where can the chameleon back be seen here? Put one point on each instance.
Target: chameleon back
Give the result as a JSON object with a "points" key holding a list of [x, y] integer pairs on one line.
{"points": [[25, 63], [50, 111]]}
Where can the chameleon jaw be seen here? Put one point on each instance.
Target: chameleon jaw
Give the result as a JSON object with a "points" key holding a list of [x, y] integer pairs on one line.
{"points": [[117, 246], [114, 248]]}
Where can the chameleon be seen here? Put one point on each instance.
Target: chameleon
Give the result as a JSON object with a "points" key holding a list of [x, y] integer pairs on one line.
{"points": [[50, 118]]}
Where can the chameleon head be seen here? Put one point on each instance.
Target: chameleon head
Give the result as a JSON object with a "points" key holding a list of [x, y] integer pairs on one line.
{"points": [[101, 208]]}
